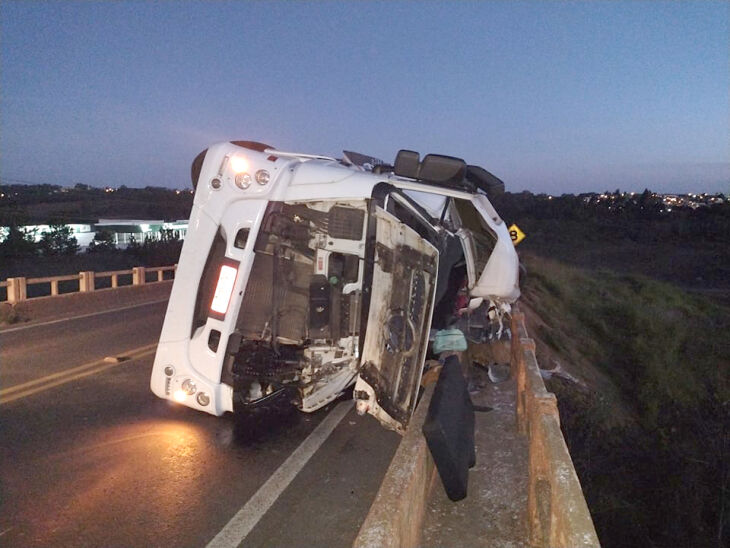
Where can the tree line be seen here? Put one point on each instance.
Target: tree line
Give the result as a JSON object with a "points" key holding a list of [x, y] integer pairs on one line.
{"points": [[57, 252]]}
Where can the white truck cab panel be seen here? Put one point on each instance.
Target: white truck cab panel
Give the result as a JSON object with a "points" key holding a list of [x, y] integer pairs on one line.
{"points": [[301, 275]]}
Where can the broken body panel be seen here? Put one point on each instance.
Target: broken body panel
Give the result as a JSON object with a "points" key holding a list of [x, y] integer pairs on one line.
{"points": [[300, 276]]}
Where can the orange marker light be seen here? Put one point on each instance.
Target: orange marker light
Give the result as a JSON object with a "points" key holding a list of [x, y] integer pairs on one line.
{"points": [[223, 289]]}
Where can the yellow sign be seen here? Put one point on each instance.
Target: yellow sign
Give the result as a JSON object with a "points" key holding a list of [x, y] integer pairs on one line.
{"points": [[516, 234]]}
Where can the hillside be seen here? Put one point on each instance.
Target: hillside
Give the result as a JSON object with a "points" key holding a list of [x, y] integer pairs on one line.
{"points": [[640, 368], [628, 298]]}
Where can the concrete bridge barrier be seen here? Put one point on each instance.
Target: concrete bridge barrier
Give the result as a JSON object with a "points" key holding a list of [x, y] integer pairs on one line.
{"points": [[557, 511], [142, 285], [17, 288], [396, 516], [557, 514]]}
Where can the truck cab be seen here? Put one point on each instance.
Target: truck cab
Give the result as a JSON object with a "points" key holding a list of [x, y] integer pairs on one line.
{"points": [[302, 275]]}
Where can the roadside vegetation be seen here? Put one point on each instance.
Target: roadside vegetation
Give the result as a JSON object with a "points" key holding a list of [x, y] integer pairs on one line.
{"points": [[102, 256], [57, 252], [648, 422], [629, 303]]}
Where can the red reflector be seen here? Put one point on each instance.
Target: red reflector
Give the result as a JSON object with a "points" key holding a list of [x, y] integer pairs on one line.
{"points": [[223, 289]]}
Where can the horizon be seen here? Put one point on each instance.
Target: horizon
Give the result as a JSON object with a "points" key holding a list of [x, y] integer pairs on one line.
{"points": [[72, 186], [553, 98]]}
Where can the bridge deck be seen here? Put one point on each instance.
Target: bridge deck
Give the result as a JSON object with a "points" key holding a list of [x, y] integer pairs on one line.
{"points": [[494, 512]]}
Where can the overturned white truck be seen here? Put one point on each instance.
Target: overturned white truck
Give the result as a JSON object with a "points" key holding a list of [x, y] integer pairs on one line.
{"points": [[302, 274]]}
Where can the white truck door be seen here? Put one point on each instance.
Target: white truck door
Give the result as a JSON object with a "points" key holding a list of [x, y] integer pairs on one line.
{"points": [[398, 322]]}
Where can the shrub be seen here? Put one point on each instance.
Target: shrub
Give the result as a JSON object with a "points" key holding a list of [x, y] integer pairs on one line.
{"points": [[103, 242], [59, 240], [19, 244]]}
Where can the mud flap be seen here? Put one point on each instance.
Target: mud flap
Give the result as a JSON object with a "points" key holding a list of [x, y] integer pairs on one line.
{"points": [[449, 430]]}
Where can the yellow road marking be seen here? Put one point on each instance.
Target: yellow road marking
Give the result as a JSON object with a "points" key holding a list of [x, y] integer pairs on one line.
{"points": [[65, 372], [18, 391]]}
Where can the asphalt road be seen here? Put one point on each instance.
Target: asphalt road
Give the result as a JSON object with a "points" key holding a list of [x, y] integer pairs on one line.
{"points": [[90, 457]]}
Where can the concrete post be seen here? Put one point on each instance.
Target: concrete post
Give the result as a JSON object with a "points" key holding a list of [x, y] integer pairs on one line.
{"points": [[138, 275], [17, 290], [86, 281]]}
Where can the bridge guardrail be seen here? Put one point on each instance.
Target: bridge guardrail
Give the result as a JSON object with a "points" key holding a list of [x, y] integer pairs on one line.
{"points": [[17, 287], [558, 515]]}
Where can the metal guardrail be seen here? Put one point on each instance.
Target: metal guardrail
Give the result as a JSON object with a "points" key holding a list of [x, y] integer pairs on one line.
{"points": [[558, 515], [17, 288]]}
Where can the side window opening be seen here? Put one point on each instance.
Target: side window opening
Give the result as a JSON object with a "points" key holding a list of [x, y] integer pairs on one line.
{"points": [[409, 218], [482, 237]]}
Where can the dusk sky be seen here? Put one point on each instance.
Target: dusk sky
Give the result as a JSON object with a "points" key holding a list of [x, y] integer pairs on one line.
{"points": [[550, 96]]}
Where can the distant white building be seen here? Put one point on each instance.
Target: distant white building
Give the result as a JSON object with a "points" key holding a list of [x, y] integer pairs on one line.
{"points": [[124, 231]]}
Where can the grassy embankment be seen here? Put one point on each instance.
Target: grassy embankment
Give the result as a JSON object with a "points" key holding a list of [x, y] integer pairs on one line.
{"points": [[647, 423]]}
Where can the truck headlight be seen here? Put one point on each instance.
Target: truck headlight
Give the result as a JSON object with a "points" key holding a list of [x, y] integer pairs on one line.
{"points": [[243, 180], [262, 176], [188, 387]]}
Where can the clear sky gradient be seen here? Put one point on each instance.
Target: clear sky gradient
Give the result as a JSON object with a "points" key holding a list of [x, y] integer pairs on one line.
{"points": [[550, 96]]}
